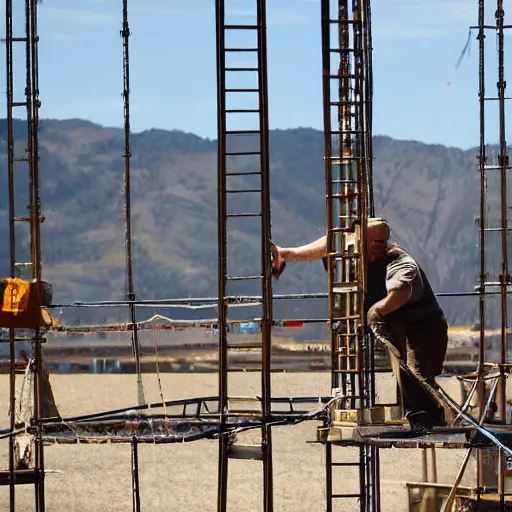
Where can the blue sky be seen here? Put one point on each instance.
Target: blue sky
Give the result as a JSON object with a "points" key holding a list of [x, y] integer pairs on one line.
{"points": [[418, 92]]}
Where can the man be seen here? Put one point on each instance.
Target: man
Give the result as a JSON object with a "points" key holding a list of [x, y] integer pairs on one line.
{"points": [[402, 310]]}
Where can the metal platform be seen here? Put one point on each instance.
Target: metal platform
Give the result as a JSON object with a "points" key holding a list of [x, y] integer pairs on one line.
{"points": [[175, 421], [401, 436]]}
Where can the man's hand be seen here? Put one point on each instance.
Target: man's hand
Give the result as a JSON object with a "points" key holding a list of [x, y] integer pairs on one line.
{"points": [[278, 262], [374, 316]]}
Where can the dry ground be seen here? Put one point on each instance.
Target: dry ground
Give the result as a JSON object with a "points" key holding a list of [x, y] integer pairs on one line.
{"points": [[183, 477]]}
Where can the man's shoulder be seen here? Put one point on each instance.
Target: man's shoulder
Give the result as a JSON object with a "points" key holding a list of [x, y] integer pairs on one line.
{"points": [[401, 263], [396, 253]]}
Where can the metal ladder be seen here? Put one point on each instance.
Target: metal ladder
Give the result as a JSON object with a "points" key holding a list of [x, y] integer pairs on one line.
{"points": [[347, 130], [243, 198], [24, 262]]}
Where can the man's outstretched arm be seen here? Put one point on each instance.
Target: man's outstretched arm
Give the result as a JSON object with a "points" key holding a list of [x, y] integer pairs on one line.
{"points": [[309, 252]]}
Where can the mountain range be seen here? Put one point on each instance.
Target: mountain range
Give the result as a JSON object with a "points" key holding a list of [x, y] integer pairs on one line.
{"points": [[428, 193]]}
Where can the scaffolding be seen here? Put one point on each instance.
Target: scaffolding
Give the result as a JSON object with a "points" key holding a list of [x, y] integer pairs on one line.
{"points": [[351, 414], [23, 167]]}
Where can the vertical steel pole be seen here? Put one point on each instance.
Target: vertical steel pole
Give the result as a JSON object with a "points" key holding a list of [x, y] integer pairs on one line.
{"points": [[12, 245], [483, 220], [222, 254]]}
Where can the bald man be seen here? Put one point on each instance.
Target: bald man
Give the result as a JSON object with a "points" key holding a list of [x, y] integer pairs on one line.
{"points": [[402, 307]]}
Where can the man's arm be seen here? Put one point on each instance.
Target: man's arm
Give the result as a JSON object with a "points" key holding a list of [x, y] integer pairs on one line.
{"points": [[394, 300], [309, 252]]}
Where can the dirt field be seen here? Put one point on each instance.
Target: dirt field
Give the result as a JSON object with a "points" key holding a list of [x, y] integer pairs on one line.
{"points": [[183, 477]]}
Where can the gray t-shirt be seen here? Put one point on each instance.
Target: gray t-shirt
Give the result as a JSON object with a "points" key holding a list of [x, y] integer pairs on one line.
{"points": [[403, 271]]}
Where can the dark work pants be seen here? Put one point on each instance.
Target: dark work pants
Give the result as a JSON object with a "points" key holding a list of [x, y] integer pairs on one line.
{"points": [[420, 349]]}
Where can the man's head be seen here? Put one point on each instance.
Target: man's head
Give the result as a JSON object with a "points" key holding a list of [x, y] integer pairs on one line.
{"points": [[377, 236]]}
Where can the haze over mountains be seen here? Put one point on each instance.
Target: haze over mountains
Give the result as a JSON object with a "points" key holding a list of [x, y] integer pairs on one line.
{"points": [[429, 194]]}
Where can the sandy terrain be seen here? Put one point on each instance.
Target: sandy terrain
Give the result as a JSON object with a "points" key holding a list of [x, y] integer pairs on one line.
{"points": [[181, 477]]}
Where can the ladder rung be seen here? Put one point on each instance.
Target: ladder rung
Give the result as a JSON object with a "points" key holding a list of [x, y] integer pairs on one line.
{"points": [[345, 196], [346, 463], [241, 49], [246, 369], [348, 372], [233, 215], [341, 159], [20, 159], [242, 90], [349, 75], [344, 355], [242, 111], [344, 182], [344, 255], [496, 167], [242, 132], [498, 229], [347, 132], [341, 496], [343, 50], [344, 161], [241, 69], [343, 103], [492, 27], [19, 104], [21, 219], [244, 346], [243, 153], [243, 278], [249, 190], [341, 22], [240, 27], [16, 40], [497, 99], [250, 173]]}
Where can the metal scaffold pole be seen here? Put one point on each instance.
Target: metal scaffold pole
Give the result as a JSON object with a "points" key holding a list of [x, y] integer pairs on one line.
{"points": [[130, 286], [504, 164], [12, 255], [33, 104]]}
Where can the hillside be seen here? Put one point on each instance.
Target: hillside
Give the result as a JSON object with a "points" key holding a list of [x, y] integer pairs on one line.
{"points": [[429, 194]]}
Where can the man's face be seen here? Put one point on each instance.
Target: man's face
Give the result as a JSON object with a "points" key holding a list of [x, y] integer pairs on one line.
{"points": [[377, 241]]}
